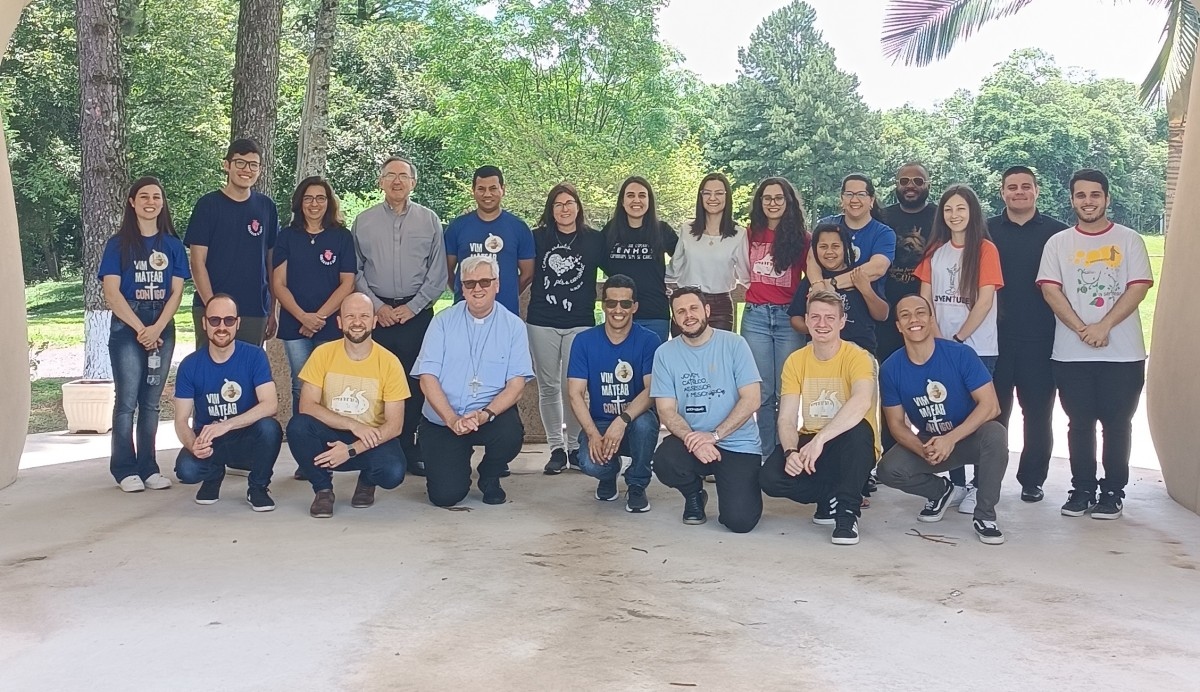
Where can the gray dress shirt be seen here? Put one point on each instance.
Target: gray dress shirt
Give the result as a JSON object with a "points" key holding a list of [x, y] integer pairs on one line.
{"points": [[400, 255]]}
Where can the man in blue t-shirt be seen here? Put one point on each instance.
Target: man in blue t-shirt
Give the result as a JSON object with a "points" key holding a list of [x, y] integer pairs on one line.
{"points": [[231, 234], [945, 389], [706, 388], [610, 364], [490, 230], [227, 391]]}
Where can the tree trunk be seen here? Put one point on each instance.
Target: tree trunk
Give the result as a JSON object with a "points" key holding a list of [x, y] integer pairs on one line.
{"points": [[104, 170], [256, 80], [312, 149], [1177, 107]]}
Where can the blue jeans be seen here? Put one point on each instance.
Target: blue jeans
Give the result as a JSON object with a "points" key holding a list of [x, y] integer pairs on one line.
{"points": [[298, 351], [130, 369], [768, 330], [660, 327], [641, 437], [253, 448], [308, 437]]}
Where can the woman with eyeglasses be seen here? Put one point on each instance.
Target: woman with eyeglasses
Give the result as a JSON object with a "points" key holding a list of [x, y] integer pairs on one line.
{"points": [[141, 273], [637, 245], [873, 242], [777, 246], [712, 253], [314, 271], [562, 303]]}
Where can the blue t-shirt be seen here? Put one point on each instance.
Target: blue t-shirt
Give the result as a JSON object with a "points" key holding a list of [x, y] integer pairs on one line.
{"points": [[704, 382], [315, 264], [238, 236], [859, 329], [615, 373], [873, 239], [222, 390], [149, 275], [936, 396], [505, 237]]}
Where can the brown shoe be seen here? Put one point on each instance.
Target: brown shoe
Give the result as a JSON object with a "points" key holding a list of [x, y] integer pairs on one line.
{"points": [[364, 495], [322, 506], [299, 475]]}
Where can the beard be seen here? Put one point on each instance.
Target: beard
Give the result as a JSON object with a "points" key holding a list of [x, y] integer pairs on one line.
{"points": [[697, 332], [916, 202], [359, 339]]}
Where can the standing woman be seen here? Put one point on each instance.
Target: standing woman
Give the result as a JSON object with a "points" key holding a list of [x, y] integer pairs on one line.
{"points": [[873, 243], [778, 244], [562, 303], [314, 271], [637, 245], [142, 273], [712, 253]]}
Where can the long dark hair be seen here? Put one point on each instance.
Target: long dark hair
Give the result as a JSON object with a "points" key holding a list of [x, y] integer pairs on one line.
{"points": [[129, 235], [876, 210], [791, 235], [842, 234], [728, 230], [548, 221], [977, 232], [619, 230], [333, 209]]}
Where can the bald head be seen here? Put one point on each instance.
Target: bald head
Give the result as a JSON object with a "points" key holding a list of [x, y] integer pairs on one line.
{"points": [[356, 302]]}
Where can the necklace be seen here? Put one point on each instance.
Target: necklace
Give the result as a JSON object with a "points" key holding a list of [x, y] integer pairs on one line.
{"points": [[559, 234], [312, 237], [477, 358]]}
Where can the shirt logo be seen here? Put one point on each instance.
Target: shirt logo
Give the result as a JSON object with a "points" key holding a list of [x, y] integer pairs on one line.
{"points": [[494, 243], [350, 403], [328, 258], [623, 372], [158, 261], [825, 406], [255, 228], [936, 391], [231, 391]]}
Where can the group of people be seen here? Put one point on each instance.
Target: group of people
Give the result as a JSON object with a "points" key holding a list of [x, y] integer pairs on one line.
{"points": [[886, 341]]}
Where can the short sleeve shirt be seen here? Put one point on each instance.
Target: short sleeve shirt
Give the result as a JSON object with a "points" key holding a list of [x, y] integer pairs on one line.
{"points": [[941, 271], [238, 236], [936, 395], [315, 264], [875, 238], [824, 385], [859, 329], [148, 277], [563, 293], [767, 286], [505, 237], [615, 373], [356, 389], [222, 390]]}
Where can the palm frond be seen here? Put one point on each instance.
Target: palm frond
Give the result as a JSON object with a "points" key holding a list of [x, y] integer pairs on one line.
{"points": [[917, 32], [1178, 50]]}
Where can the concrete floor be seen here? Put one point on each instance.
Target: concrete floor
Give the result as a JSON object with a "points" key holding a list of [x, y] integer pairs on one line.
{"points": [[555, 591]]}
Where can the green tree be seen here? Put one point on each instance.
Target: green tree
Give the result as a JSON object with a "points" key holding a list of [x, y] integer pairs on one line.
{"points": [[936, 139]]}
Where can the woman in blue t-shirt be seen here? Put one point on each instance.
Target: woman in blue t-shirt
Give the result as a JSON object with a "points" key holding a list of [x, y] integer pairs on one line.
{"points": [[141, 273], [314, 267], [872, 242]]}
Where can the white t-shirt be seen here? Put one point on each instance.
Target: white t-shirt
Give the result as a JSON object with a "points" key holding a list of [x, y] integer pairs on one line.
{"points": [[950, 309], [1094, 269], [713, 263]]}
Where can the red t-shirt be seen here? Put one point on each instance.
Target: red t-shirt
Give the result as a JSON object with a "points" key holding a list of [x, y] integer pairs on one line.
{"points": [[766, 286]]}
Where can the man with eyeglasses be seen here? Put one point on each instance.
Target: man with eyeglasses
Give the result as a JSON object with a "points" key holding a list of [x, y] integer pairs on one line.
{"points": [[608, 386], [351, 412], [227, 392], [402, 269], [231, 233], [473, 367], [911, 217], [493, 231]]}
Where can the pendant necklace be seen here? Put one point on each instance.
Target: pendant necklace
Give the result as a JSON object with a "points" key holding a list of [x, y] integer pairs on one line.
{"points": [[477, 359]]}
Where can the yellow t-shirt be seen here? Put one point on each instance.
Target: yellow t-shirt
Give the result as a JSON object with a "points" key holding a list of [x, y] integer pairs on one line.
{"points": [[356, 388], [824, 386]]}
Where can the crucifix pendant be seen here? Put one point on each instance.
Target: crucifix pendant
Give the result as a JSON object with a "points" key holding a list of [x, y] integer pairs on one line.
{"points": [[475, 384]]}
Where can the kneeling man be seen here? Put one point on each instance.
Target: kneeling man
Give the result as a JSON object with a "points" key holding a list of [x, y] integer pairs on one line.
{"points": [[829, 385], [352, 394], [946, 390]]}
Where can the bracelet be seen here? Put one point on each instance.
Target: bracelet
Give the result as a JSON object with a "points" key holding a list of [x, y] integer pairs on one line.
{"points": [[789, 452], [625, 417], [491, 414], [716, 437], [958, 339]]}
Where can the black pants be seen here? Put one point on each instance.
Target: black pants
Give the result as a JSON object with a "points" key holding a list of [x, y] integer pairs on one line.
{"points": [[448, 456], [404, 341], [1105, 392], [842, 468], [739, 498], [1025, 367]]}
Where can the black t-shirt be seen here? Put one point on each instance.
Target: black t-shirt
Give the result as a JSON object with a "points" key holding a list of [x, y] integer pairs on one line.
{"points": [[1022, 313], [563, 292], [912, 234], [859, 329], [639, 261]]}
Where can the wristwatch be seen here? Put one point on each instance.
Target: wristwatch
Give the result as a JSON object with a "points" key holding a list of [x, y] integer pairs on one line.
{"points": [[490, 414], [716, 437], [625, 417], [789, 452], [351, 452]]}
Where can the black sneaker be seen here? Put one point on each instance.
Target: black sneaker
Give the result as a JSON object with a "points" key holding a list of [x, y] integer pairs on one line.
{"points": [[209, 492], [988, 532], [416, 467], [1032, 493], [506, 472], [259, 499], [1078, 503], [493, 494], [824, 516], [606, 491], [936, 509], [573, 460], [870, 486], [846, 532], [693, 507], [1109, 506], [636, 500], [558, 462]]}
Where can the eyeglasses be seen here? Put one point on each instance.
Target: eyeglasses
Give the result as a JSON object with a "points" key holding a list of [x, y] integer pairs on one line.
{"points": [[243, 164], [319, 199], [860, 194], [613, 304], [470, 284], [711, 194], [402, 177], [569, 204], [217, 321], [774, 199], [911, 181]]}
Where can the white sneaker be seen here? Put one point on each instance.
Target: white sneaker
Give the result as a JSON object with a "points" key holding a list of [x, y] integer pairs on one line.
{"points": [[132, 484], [157, 481], [957, 496], [967, 506]]}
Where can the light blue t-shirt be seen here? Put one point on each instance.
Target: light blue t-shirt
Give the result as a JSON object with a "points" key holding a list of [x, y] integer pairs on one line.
{"points": [[505, 237], [472, 358], [704, 383]]}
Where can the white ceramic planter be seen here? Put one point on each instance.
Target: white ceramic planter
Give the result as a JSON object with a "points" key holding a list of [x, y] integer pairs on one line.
{"points": [[89, 405]]}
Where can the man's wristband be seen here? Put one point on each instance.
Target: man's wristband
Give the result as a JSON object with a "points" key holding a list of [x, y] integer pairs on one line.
{"points": [[625, 417], [488, 411], [790, 452], [958, 339]]}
